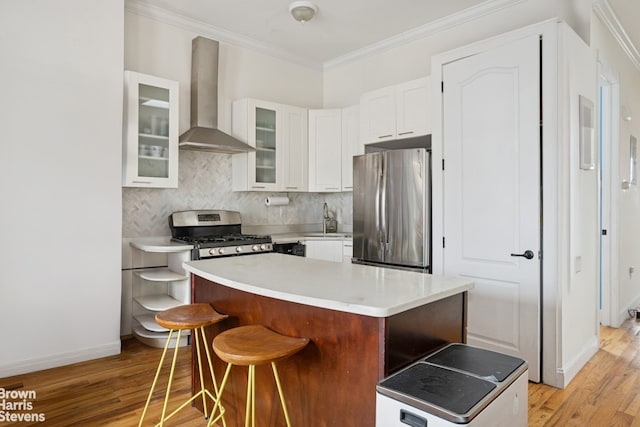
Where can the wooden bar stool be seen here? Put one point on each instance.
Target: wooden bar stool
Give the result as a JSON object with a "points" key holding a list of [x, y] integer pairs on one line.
{"points": [[250, 346], [184, 317]]}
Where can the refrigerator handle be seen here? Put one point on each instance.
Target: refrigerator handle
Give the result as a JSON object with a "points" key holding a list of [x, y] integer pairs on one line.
{"points": [[384, 232]]}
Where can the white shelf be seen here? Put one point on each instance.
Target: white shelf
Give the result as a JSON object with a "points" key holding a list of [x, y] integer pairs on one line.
{"points": [[160, 275], [148, 322], [147, 102], [157, 302], [159, 339], [153, 136], [165, 159]]}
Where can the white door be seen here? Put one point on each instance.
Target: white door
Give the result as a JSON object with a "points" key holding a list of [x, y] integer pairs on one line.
{"points": [[492, 190]]}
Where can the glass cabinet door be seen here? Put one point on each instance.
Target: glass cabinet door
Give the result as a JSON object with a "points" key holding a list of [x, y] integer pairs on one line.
{"points": [[265, 146], [151, 136]]}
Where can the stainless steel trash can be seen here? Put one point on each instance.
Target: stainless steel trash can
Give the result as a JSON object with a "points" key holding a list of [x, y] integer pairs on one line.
{"points": [[457, 385]]}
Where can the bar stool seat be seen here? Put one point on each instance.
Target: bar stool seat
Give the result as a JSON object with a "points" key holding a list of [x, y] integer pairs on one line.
{"points": [[255, 345], [184, 317]]}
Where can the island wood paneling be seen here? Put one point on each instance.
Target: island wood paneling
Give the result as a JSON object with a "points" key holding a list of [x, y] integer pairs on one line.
{"points": [[332, 381]]}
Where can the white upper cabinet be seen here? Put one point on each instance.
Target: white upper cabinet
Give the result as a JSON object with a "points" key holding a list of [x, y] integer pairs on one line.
{"points": [[279, 134], [413, 108], [258, 124], [295, 150], [396, 112], [378, 115], [351, 145], [325, 150], [334, 138], [150, 136]]}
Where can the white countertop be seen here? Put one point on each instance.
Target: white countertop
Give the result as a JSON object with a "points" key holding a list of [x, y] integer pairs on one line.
{"points": [[304, 236], [352, 288]]}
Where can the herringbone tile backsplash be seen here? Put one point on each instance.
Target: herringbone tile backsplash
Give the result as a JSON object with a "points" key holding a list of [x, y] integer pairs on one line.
{"points": [[205, 183]]}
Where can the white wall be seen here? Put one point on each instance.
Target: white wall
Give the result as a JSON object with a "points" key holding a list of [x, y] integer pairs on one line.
{"points": [[628, 232], [60, 222], [578, 233], [164, 50], [344, 83]]}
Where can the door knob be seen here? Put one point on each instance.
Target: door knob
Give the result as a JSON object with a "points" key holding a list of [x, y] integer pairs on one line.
{"points": [[527, 254]]}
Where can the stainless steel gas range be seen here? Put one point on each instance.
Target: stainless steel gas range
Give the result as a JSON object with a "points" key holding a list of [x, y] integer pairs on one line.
{"points": [[215, 233]]}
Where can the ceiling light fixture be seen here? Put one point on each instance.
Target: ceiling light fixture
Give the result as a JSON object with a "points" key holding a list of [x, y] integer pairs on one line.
{"points": [[302, 11]]}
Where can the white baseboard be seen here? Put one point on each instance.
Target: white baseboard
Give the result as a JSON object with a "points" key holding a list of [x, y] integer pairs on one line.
{"points": [[623, 314], [568, 372], [62, 359]]}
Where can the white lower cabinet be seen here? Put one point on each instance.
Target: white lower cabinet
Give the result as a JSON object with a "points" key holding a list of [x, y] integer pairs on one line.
{"points": [[325, 249], [157, 289], [347, 250]]}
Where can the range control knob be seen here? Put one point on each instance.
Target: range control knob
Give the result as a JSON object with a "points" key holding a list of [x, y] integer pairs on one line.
{"points": [[255, 248], [263, 247], [221, 251], [212, 251], [239, 249]]}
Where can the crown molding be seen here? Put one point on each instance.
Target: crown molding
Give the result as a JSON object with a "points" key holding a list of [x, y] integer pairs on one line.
{"points": [[426, 30], [165, 16], [142, 8], [603, 10]]}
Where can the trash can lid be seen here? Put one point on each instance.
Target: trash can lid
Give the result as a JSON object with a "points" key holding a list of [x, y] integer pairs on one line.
{"points": [[483, 363], [442, 392]]}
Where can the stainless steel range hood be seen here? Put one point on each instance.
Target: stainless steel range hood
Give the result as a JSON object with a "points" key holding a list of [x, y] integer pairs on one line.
{"points": [[204, 134]]}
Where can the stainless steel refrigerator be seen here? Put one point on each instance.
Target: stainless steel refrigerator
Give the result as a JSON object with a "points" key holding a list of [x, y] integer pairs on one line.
{"points": [[392, 209]]}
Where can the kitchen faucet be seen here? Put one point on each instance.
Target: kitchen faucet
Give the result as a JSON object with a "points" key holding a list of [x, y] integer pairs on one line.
{"points": [[325, 217]]}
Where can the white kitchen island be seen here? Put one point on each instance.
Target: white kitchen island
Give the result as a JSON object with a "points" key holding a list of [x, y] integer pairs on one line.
{"points": [[363, 323]]}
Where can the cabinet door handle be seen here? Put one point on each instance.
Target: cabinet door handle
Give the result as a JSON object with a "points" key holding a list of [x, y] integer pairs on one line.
{"points": [[332, 188], [257, 186], [141, 182], [405, 133], [291, 188], [385, 136]]}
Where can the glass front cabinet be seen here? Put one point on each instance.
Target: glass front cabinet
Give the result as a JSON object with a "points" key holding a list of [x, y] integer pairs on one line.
{"points": [[278, 132], [150, 147]]}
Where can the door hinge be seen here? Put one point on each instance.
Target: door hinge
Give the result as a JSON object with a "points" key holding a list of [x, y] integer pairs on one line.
{"points": [[442, 86], [604, 231], [442, 164], [442, 242]]}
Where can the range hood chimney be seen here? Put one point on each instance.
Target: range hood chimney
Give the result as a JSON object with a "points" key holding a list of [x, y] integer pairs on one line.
{"points": [[204, 134]]}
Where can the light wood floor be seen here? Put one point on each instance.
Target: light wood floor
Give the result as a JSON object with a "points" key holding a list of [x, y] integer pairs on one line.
{"points": [[112, 391]]}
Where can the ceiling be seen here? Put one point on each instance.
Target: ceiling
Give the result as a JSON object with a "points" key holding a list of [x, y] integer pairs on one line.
{"points": [[341, 28]]}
